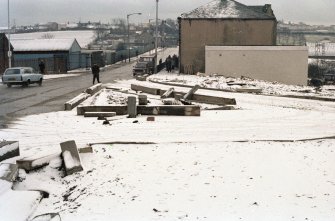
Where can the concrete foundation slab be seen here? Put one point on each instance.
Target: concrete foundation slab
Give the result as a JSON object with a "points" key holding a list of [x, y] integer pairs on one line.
{"points": [[99, 114], [119, 110], [71, 157], [9, 149], [171, 110]]}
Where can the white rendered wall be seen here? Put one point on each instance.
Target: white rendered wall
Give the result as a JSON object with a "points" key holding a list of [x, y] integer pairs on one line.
{"points": [[285, 64]]}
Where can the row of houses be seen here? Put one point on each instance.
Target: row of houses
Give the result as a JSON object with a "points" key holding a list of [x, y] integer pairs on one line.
{"points": [[59, 55]]}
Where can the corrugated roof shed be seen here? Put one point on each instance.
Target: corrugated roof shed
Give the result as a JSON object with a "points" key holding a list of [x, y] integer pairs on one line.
{"points": [[42, 44], [228, 9]]}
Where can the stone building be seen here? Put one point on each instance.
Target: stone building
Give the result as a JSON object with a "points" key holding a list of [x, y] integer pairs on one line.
{"points": [[223, 23]]}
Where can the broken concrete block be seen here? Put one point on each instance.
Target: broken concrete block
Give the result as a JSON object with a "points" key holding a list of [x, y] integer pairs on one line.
{"points": [[100, 114], [18, 205], [76, 101], [168, 93], [150, 118], [171, 101], [148, 90], [132, 111], [33, 162], [8, 172], [86, 149], [94, 89], [71, 157], [142, 99], [9, 149]]}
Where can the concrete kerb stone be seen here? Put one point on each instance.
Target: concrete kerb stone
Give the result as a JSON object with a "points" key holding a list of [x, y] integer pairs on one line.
{"points": [[70, 154], [148, 90], [69, 105], [9, 149], [94, 89]]}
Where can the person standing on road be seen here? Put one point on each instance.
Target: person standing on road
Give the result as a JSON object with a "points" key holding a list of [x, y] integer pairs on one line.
{"points": [[95, 72], [41, 65]]}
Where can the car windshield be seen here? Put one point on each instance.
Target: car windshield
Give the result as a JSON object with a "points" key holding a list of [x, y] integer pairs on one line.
{"points": [[12, 71], [141, 65]]}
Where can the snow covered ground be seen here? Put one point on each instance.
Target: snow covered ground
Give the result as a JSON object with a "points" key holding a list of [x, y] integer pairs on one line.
{"points": [[221, 82], [232, 165]]}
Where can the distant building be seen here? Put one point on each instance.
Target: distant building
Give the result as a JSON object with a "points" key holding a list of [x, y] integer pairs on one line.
{"points": [[223, 23], [59, 55], [3, 52]]}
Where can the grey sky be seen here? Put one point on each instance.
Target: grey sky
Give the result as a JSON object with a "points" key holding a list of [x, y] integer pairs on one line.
{"points": [[37, 11]]}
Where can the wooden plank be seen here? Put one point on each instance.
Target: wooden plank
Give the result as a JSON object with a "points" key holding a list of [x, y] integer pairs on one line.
{"points": [[148, 90], [171, 110], [9, 149], [70, 154]]}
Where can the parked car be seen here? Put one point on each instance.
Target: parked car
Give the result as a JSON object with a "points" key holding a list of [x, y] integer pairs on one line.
{"points": [[21, 76], [145, 65]]}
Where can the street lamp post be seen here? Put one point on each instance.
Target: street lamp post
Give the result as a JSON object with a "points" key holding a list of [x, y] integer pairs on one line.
{"points": [[128, 15], [9, 48], [156, 35]]}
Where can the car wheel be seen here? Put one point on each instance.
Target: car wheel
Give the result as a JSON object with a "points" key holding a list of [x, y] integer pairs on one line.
{"points": [[9, 85], [40, 82]]}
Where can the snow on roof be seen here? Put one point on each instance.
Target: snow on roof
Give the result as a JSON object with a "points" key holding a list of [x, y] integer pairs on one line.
{"points": [[42, 44], [227, 9]]}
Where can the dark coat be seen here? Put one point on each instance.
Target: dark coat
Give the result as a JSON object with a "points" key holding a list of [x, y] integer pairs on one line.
{"points": [[95, 69]]}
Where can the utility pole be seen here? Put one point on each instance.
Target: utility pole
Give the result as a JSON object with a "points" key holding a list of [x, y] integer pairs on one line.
{"points": [[9, 48], [156, 35], [138, 13]]}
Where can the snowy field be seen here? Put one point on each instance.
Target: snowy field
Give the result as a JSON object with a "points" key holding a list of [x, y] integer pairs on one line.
{"points": [[83, 37], [232, 165]]}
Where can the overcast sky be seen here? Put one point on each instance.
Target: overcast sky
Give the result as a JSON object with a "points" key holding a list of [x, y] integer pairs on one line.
{"points": [[39, 11]]}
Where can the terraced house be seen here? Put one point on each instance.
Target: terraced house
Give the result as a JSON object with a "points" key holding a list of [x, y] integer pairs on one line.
{"points": [[223, 23]]}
